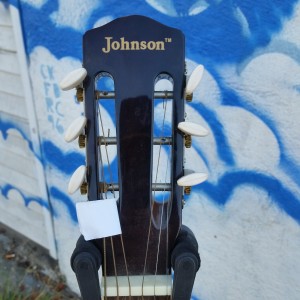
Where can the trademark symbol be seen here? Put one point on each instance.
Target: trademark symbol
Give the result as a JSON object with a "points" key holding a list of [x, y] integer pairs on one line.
{"points": [[168, 40]]}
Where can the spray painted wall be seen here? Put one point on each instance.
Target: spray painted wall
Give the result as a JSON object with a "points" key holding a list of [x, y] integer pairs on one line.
{"points": [[247, 215]]}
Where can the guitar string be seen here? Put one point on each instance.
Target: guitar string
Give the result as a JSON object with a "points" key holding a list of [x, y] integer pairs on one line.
{"points": [[115, 266], [162, 214], [123, 248], [161, 219], [168, 211], [114, 194], [168, 208], [170, 194], [104, 240], [103, 192], [113, 191], [153, 192], [104, 266], [165, 103], [152, 206], [113, 252]]}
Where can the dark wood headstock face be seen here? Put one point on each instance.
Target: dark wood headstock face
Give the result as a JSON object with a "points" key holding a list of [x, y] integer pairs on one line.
{"points": [[135, 51]]}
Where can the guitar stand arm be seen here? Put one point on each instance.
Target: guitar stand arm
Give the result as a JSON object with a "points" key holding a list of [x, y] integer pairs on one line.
{"points": [[85, 262], [185, 262]]}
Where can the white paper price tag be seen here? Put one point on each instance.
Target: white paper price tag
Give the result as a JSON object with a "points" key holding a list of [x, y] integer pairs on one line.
{"points": [[98, 219]]}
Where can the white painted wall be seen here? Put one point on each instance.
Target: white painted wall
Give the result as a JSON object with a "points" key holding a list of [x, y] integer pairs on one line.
{"points": [[22, 182]]}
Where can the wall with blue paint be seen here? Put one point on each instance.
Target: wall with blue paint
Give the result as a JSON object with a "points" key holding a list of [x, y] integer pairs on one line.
{"points": [[247, 215], [23, 202]]}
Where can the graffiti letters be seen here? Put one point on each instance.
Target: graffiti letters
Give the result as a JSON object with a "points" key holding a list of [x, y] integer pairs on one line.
{"points": [[52, 98]]}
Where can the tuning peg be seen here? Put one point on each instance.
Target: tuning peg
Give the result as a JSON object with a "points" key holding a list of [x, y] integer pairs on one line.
{"points": [[189, 129], [190, 180], [75, 129], [192, 129], [73, 79], [193, 82], [78, 181]]}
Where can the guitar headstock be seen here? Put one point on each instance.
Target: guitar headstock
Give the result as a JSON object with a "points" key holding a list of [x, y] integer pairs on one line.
{"points": [[145, 62]]}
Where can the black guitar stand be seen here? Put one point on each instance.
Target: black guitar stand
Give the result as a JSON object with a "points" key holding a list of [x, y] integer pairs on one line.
{"points": [[185, 260], [85, 262]]}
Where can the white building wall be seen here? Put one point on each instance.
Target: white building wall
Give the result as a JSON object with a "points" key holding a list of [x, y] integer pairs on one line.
{"points": [[24, 205]]}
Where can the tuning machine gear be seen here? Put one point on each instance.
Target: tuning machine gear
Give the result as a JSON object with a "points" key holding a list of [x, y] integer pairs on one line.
{"points": [[82, 141]]}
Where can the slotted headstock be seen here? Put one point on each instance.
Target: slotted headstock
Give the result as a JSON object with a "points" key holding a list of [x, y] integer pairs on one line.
{"points": [[136, 52]]}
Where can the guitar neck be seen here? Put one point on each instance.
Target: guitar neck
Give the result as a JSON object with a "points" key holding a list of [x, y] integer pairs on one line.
{"points": [[135, 73], [136, 53]]}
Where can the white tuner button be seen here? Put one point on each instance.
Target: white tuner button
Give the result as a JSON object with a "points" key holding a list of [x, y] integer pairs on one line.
{"points": [[192, 179], [73, 79], [192, 129], [194, 79], [77, 179], [75, 129]]}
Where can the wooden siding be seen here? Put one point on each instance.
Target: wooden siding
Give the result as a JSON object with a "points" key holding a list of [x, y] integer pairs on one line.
{"points": [[18, 175]]}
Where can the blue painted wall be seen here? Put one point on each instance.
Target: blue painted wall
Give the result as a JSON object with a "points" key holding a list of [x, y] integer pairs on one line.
{"points": [[250, 206]]}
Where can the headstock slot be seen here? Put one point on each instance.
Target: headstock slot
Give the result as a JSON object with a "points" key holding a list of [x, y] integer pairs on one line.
{"points": [[162, 152], [107, 148]]}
